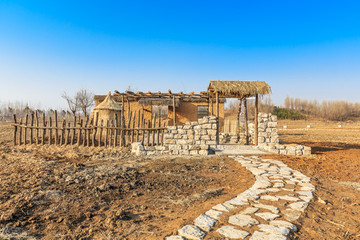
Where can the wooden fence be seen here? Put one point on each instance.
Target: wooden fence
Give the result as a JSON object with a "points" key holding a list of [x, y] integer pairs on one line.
{"points": [[51, 130]]}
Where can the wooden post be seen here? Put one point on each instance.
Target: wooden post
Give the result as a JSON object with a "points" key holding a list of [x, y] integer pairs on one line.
{"points": [[20, 132], [142, 126], [37, 126], [158, 132], [79, 132], [133, 127], [116, 130], [138, 126], [148, 133], [217, 115], [101, 131], [56, 128], [73, 132], [50, 131], [173, 101], [153, 132], [238, 119], [246, 123], [111, 141], [95, 128], [62, 139], [31, 128], [44, 130], [67, 134], [25, 128], [15, 129], [85, 131], [256, 118], [107, 133]]}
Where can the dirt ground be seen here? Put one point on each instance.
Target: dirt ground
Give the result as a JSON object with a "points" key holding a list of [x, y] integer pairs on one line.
{"points": [[51, 192], [77, 193]]}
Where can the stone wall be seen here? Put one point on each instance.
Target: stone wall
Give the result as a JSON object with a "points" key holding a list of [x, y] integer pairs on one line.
{"points": [[269, 139], [194, 138]]}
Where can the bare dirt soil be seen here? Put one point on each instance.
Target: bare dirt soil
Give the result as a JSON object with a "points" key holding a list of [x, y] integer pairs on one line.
{"points": [[83, 193], [52, 192], [335, 169]]}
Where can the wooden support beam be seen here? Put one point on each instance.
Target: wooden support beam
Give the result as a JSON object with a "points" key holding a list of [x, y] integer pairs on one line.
{"points": [[246, 122], [31, 129], [56, 126], [256, 118], [25, 129], [15, 129], [173, 102], [217, 115]]}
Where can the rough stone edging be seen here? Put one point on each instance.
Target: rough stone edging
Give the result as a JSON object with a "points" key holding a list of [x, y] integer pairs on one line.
{"points": [[271, 178]]}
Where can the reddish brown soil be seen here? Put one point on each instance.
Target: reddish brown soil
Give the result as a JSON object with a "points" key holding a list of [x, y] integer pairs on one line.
{"points": [[54, 192]]}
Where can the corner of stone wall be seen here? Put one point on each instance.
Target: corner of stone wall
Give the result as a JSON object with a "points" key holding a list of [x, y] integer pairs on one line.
{"points": [[268, 139]]}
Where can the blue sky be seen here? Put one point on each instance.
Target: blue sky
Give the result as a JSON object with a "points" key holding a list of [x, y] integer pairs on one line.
{"points": [[307, 49]]}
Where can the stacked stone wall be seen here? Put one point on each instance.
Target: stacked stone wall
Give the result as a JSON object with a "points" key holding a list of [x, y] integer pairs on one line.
{"points": [[193, 138]]}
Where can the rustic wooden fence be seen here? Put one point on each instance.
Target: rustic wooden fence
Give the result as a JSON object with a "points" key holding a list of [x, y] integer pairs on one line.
{"points": [[51, 130]]}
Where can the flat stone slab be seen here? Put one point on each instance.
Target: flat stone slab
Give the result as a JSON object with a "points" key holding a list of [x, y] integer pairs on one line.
{"points": [[214, 214], [243, 220], [249, 210], [205, 222], [273, 189], [274, 229], [177, 237], [238, 201], [288, 198], [299, 206], [232, 233], [267, 216], [268, 207], [266, 236], [291, 215], [269, 198], [224, 207], [191, 232], [281, 223]]}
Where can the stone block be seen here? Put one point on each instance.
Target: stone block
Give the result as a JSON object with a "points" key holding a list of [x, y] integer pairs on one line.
{"points": [[181, 131], [205, 137], [160, 148], [177, 136], [190, 132], [174, 147], [214, 126], [211, 132], [194, 123], [206, 126], [261, 139], [197, 137], [184, 152], [185, 137], [194, 147], [203, 132], [210, 142], [203, 120], [197, 127], [181, 142], [174, 152], [213, 138], [187, 127], [169, 141], [194, 152], [168, 135], [191, 136], [174, 131], [204, 147], [203, 152], [272, 124], [171, 127], [198, 142], [283, 152]]}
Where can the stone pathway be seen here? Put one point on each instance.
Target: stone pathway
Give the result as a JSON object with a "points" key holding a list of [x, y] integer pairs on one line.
{"points": [[267, 210]]}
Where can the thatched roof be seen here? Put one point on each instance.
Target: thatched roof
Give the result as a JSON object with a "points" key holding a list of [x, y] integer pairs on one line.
{"points": [[239, 88], [158, 101], [108, 104]]}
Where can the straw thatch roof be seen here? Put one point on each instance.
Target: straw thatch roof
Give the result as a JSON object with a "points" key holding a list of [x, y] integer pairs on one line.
{"points": [[108, 104], [239, 88], [158, 101]]}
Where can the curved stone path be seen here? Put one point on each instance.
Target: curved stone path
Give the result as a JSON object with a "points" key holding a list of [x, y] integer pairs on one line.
{"points": [[267, 210]]}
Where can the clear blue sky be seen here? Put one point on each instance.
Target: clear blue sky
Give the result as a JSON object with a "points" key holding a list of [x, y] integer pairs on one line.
{"points": [[308, 49]]}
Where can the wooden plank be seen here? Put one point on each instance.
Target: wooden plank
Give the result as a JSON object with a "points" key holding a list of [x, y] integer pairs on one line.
{"points": [[80, 132], [95, 128], [148, 134], [101, 132], [62, 138], [67, 134], [25, 128], [217, 116], [142, 126], [31, 128], [107, 133], [138, 126], [15, 129], [158, 133], [37, 126], [44, 130], [153, 132], [116, 130], [133, 127], [127, 133], [56, 126], [50, 131], [20, 132], [173, 102], [238, 119], [246, 123], [73, 132], [256, 118], [85, 131]]}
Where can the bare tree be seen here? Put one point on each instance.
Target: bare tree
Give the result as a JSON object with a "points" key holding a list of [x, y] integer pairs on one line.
{"points": [[73, 103], [85, 100]]}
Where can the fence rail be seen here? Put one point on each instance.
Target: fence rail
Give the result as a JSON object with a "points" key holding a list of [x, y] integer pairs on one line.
{"points": [[33, 129]]}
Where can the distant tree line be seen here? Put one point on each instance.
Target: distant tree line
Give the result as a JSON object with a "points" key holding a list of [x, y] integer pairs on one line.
{"points": [[81, 102]]}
